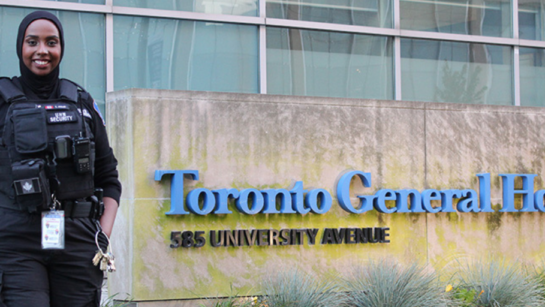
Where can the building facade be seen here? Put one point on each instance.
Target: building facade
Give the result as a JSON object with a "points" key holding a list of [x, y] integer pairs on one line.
{"points": [[425, 97], [482, 52]]}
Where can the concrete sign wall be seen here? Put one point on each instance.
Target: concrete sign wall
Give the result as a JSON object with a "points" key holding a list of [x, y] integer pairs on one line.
{"points": [[265, 142]]}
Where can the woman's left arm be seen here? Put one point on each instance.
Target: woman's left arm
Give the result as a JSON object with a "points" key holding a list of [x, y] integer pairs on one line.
{"points": [[108, 218], [106, 174]]}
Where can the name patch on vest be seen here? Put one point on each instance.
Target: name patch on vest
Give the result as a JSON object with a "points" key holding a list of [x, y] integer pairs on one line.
{"points": [[55, 107], [58, 117]]}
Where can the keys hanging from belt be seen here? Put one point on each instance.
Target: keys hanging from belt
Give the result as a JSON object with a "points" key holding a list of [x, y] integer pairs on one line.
{"points": [[106, 260]]}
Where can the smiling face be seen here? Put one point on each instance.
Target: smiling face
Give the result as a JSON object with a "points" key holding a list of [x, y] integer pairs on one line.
{"points": [[41, 50]]}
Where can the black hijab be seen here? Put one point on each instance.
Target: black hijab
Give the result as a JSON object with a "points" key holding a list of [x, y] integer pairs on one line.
{"points": [[42, 86]]}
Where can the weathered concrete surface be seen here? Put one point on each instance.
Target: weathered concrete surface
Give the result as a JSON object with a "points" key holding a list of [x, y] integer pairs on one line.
{"points": [[465, 140], [264, 141]]}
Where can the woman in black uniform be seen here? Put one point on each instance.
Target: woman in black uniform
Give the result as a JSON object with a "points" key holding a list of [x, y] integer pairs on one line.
{"points": [[52, 132]]}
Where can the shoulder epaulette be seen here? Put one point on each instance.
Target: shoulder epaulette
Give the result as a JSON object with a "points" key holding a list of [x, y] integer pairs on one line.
{"points": [[9, 91], [68, 90]]}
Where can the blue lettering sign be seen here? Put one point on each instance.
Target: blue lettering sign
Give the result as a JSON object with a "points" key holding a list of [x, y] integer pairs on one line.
{"points": [[446, 199], [538, 200], [380, 201], [209, 201], [298, 197], [484, 192], [509, 192], [257, 201], [270, 201], [298, 200], [222, 200], [312, 201], [343, 192], [177, 189], [427, 197]]}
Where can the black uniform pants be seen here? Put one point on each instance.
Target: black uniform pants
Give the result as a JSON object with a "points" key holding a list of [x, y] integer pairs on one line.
{"points": [[32, 277]]}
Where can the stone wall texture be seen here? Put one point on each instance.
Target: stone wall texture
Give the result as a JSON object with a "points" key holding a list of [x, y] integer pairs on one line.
{"points": [[266, 141]]}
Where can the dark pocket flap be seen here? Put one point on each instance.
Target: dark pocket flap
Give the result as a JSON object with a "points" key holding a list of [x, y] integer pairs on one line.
{"points": [[30, 131]]}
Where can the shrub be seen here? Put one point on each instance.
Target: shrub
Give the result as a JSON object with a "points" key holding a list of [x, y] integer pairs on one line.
{"points": [[388, 284], [537, 273], [499, 284], [297, 289]]}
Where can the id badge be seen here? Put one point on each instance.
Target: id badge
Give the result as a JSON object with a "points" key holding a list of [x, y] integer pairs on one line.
{"points": [[53, 229]]}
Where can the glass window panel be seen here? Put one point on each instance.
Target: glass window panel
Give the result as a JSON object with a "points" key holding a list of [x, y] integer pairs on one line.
{"points": [[444, 71], [81, 1], [185, 55], [532, 77], [531, 19], [473, 17], [372, 13], [225, 7], [83, 60], [329, 64]]}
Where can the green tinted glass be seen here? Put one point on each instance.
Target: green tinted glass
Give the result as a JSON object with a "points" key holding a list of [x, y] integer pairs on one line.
{"points": [[329, 64], [488, 18], [531, 19], [442, 71], [185, 55], [532, 77], [225, 7], [372, 13]]}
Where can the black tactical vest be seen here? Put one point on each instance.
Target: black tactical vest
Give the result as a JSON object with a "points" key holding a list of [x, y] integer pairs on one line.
{"points": [[47, 150]]}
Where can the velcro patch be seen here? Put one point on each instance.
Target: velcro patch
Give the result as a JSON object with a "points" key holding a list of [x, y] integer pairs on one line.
{"points": [[27, 186], [85, 113], [59, 117]]}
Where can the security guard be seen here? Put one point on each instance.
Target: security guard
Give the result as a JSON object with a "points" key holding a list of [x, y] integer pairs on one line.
{"points": [[59, 187]]}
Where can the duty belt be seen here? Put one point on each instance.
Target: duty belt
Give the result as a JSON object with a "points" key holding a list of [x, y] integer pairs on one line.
{"points": [[91, 208]]}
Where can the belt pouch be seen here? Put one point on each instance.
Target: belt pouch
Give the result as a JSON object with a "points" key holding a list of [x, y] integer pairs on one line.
{"points": [[31, 184]]}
